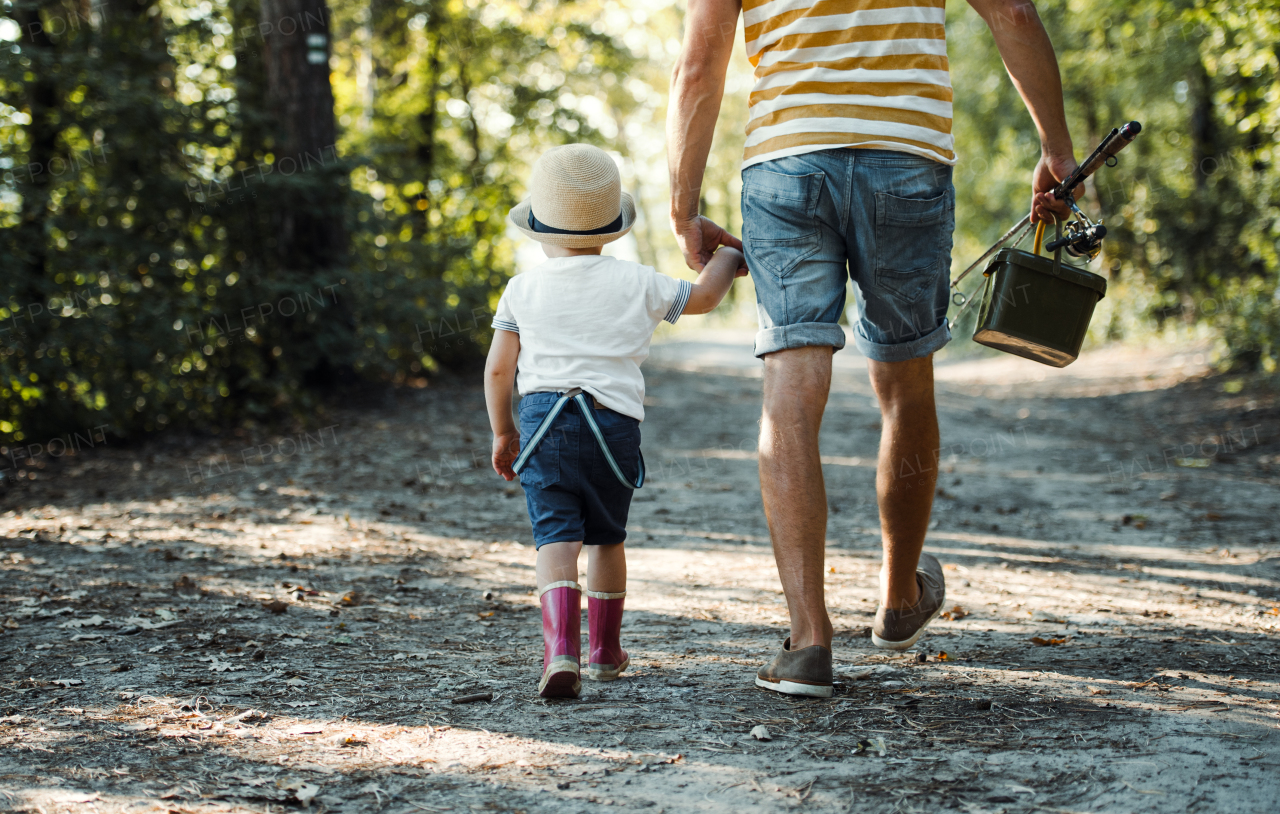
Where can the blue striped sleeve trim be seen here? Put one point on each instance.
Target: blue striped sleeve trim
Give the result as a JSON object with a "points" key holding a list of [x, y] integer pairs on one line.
{"points": [[503, 325], [682, 299]]}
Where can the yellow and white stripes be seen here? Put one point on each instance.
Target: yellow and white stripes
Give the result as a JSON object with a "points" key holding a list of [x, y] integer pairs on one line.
{"points": [[848, 73]]}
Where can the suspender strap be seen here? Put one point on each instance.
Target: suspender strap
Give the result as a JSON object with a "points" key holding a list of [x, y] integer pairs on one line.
{"points": [[580, 399], [536, 438]]}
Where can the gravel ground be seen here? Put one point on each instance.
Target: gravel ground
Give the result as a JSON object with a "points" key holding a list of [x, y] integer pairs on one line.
{"points": [[297, 620]]}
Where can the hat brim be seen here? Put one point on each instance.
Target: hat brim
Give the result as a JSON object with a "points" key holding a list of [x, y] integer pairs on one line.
{"points": [[519, 217]]}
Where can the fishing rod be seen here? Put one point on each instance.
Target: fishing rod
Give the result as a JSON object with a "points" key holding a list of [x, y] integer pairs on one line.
{"points": [[1082, 237]]}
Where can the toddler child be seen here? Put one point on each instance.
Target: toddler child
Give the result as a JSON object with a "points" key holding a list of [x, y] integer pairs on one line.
{"points": [[571, 334]]}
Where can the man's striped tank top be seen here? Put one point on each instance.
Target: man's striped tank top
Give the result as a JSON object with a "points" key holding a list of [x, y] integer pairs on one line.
{"points": [[848, 73]]}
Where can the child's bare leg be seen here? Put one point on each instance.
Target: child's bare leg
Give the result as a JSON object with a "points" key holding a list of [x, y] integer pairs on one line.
{"points": [[606, 568], [557, 562], [606, 595]]}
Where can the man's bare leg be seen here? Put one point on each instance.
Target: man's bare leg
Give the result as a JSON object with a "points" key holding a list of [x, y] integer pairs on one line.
{"points": [[906, 473], [796, 384]]}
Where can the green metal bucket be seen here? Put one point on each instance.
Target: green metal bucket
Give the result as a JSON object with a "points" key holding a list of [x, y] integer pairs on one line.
{"points": [[1036, 307]]}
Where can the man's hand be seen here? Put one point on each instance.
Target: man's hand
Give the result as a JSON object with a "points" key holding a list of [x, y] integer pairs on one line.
{"points": [[506, 448], [699, 238], [1049, 171]]}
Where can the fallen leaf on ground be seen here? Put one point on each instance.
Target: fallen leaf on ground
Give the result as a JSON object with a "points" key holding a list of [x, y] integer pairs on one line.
{"points": [[147, 624], [761, 733], [1045, 642], [303, 792], [92, 621], [1098, 691], [864, 747], [955, 614], [374, 789], [276, 606], [67, 682], [854, 673]]}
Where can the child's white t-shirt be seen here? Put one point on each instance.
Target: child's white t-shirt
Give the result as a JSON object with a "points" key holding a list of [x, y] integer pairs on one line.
{"points": [[586, 322]]}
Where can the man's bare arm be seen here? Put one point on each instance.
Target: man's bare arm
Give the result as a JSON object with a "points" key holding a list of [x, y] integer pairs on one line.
{"points": [[697, 85], [1028, 56]]}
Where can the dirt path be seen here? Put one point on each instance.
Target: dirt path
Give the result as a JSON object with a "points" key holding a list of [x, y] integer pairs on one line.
{"points": [[1122, 511]]}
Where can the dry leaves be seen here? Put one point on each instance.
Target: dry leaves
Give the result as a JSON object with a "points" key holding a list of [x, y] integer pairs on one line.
{"points": [[1042, 642], [303, 792], [955, 614], [92, 621]]}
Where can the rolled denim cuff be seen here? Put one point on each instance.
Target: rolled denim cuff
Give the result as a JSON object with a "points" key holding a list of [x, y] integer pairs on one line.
{"points": [[802, 335], [903, 351]]}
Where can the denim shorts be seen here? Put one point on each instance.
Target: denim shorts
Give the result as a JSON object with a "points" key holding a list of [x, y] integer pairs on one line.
{"points": [[881, 217], [571, 491]]}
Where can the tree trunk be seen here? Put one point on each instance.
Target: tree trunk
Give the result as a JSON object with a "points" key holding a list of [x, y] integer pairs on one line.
{"points": [[296, 48], [1203, 147], [42, 134]]}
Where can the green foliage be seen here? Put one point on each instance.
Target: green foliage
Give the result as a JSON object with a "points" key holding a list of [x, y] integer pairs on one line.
{"points": [[143, 188], [1193, 208], [144, 191]]}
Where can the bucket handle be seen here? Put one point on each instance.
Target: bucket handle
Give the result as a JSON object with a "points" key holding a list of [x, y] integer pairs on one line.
{"points": [[1057, 254]]}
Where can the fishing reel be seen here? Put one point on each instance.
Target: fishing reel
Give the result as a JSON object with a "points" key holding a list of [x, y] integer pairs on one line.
{"points": [[1081, 237]]}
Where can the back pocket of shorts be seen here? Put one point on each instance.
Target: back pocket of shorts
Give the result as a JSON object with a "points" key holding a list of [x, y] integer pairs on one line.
{"points": [[543, 467], [912, 233], [913, 242], [779, 219], [624, 444]]}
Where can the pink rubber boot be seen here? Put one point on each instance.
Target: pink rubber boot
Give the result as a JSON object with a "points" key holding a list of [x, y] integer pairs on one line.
{"points": [[562, 637], [604, 625]]}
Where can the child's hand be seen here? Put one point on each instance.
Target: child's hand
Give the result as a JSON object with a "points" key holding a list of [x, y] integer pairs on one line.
{"points": [[506, 448]]}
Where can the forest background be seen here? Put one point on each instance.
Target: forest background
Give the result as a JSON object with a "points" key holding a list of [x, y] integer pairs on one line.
{"points": [[214, 213]]}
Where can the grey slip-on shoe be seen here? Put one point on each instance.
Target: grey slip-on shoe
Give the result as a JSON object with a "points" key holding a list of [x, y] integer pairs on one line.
{"points": [[806, 671], [900, 629]]}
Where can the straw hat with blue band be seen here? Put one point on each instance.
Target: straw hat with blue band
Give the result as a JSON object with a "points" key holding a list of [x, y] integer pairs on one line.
{"points": [[575, 199]]}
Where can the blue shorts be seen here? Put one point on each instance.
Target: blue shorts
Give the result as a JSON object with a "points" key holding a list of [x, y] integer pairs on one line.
{"points": [[881, 217], [571, 491]]}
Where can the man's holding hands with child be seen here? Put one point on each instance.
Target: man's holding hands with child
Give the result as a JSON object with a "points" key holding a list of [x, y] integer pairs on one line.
{"points": [[846, 176]]}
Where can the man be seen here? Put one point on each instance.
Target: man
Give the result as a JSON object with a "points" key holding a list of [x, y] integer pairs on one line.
{"points": [[847, 171]]}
